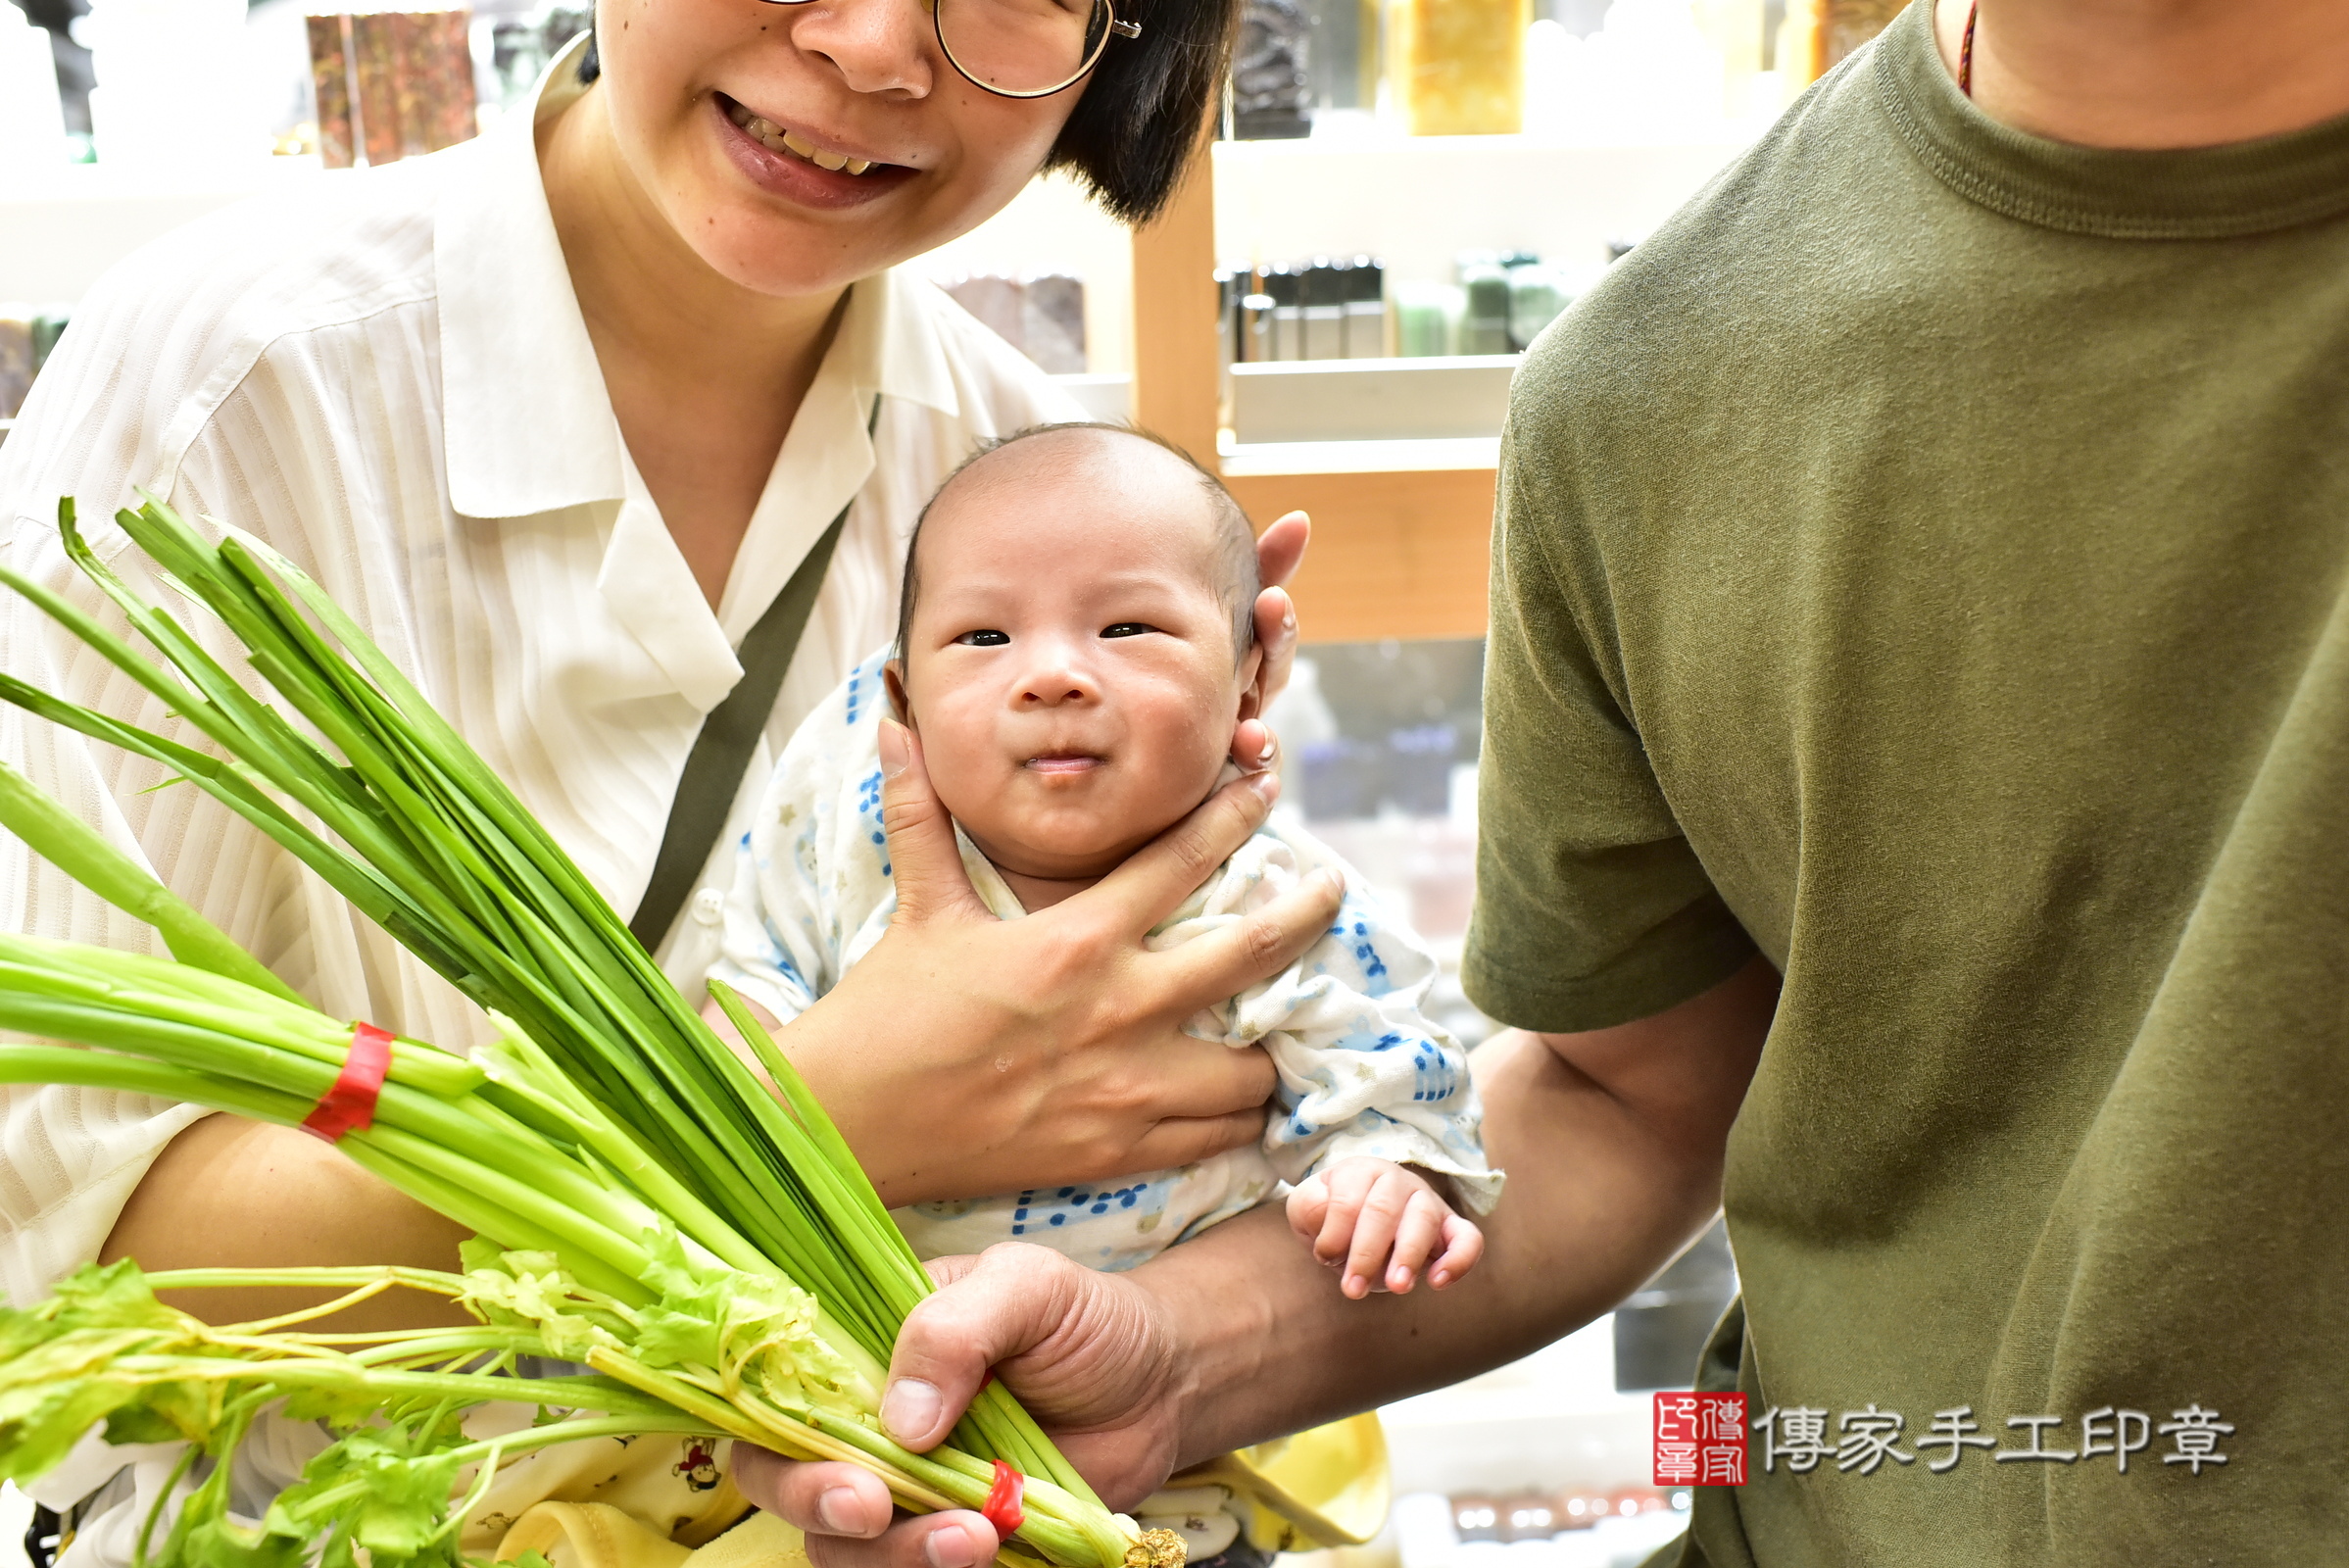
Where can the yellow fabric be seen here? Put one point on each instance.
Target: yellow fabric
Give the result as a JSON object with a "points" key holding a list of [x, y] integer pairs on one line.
{"points": [[597, 1535], [670, 1502], [678, 1489], [1329, 1487]]}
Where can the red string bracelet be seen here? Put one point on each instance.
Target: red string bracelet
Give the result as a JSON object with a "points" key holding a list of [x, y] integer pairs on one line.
{"points": [[350, 1105], [1003, 1508]]}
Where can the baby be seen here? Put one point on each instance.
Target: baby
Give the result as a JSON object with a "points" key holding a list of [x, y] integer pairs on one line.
{"points": [[1075, 644]]}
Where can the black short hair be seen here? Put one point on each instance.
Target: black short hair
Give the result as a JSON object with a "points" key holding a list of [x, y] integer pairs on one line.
{"points": [[1137, 117], [1238, 578]]}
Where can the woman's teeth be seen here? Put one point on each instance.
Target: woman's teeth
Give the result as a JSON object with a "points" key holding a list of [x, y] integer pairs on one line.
{"points": [[775, 138]]}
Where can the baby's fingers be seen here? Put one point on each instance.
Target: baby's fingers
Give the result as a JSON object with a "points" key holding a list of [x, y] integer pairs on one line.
{"points": [[1375, 1228], [1463, 1244], [1415, 1239], [1308, 1204], [1348, 1185]]}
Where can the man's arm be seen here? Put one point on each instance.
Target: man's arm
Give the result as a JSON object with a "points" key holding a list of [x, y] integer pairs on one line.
{"points": [[1613, 1142], [1613, 1145]]}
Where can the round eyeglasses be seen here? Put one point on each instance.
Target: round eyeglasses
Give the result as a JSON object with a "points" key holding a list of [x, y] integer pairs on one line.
{"points": [[1023, 48]]}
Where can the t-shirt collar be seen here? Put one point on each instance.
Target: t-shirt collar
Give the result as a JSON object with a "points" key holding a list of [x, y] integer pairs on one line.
{"points": [[528, 427], [2190, 193]]}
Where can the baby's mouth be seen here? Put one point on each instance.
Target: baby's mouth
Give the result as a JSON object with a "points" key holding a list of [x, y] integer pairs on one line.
{"points": [[774, 138], [1064, 762]]}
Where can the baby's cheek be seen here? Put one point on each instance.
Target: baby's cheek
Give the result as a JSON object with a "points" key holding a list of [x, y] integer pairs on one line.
{"points": [[965, 768], [1188, 748]]}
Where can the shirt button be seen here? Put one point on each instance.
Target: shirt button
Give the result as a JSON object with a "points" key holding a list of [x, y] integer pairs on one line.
{"points": [[709, 906]]}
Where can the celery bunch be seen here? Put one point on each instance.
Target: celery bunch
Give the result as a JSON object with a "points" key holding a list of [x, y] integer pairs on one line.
{"points": [[647, 1206]]}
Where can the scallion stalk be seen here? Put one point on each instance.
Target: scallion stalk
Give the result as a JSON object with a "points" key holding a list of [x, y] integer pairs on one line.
{"points": [[647, 1203]]}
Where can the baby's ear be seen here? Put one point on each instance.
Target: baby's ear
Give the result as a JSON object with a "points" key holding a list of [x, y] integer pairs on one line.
{"points": [[1252, 683], [893, 676]]}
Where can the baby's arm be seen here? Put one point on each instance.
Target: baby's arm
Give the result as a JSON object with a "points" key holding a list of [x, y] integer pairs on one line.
{"points": [[1376, 1119], [1379, 1223]]}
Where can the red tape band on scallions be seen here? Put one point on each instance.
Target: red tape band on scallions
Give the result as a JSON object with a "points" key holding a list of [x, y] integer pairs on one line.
{"points": [[1003, 1508], [350, 1105]]}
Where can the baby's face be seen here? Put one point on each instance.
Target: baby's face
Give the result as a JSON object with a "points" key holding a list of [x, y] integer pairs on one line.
{"points": [[1069, 664]]}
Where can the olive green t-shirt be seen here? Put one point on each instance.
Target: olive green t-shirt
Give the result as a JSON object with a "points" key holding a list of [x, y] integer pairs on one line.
{"points": [[1922, 562]]}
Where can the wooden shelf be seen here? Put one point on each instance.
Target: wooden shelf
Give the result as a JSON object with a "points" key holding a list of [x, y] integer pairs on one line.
{"points": [[1398, 551]]}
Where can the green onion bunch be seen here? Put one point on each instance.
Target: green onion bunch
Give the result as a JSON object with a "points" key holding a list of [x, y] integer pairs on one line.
{"points": [[645, 1204]]}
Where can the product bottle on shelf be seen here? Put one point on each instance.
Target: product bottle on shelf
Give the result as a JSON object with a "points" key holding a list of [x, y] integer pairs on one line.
{"points": [[1287, 338], [1333, 308], [1230, 287], [1537, 292], [1253, 322], [1428, 317], [1322, 294], [1366, 310], [1484, 280], [1457, 67]]}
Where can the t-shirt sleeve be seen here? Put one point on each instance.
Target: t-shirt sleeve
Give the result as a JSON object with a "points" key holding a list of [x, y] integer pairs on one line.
{"points": [[1591, 909]]}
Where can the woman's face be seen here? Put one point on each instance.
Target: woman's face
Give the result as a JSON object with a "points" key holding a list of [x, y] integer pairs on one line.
{"points": [[704, 96]]}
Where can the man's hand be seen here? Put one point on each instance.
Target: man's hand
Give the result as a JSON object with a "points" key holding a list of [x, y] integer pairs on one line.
{"points": [[1089, 1354]]}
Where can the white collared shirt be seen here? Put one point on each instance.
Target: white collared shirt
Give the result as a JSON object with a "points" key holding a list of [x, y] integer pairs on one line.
{"points": [[389, 378]]}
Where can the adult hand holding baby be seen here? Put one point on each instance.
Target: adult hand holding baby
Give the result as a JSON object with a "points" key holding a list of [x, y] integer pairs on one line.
{"points": [[1050, 1049]]}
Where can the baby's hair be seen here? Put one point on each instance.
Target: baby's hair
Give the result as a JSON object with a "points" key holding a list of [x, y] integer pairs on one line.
{"points": [[1237, 577]]}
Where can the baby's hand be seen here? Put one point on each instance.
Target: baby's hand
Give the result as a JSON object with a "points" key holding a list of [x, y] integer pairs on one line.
{"points": [[1380, 1222]]}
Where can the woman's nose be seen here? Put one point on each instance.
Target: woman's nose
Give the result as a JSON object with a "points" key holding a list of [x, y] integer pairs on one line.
{"points": [[877, 45]]}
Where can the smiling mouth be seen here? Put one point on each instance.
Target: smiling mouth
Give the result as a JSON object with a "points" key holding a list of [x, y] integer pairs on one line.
{"points": [[774, 138]]}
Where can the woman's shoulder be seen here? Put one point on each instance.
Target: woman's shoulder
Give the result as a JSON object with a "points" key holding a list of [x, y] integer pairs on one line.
{"points": [[167, 336], [998, 388], [323, 250], [247, 320]]}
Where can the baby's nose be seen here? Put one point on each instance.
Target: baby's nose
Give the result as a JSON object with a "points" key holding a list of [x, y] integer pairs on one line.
{"points": [[1059, 677]]}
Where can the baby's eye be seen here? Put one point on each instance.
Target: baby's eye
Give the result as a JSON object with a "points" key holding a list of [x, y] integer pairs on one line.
{"points": [[985, 639], [1127, 628]]}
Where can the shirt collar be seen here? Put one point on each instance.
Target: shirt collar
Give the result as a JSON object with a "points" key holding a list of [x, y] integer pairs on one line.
{"points": [[2240, 188], [528, 426]]}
